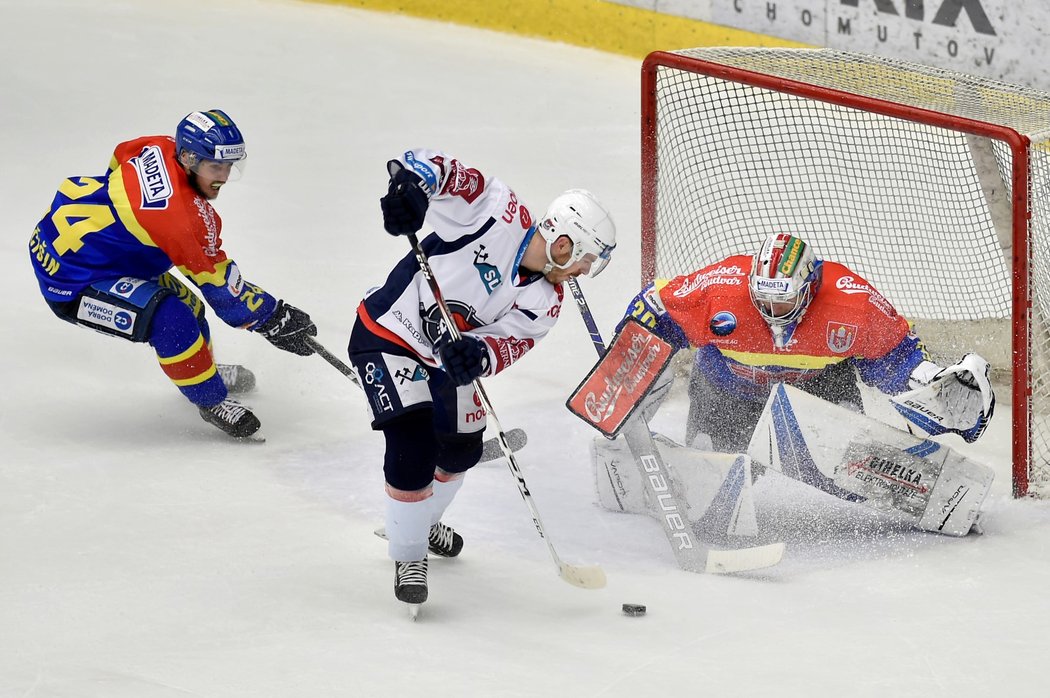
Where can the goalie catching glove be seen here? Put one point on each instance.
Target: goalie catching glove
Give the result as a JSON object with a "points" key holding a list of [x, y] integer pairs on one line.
{"points": [[288, 329], [958, 399]]}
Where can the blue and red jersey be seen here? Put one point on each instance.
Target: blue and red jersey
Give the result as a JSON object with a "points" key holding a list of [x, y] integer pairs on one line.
{"points": [[140, 219], [848, 320]]}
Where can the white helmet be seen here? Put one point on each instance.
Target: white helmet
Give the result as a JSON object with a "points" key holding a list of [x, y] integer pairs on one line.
{"points": [[579, 216], [785, 275]]}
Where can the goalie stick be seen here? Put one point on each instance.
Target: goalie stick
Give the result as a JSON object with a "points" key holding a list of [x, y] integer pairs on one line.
{"points": [[490, 449], [583, 576], [690, 552]]}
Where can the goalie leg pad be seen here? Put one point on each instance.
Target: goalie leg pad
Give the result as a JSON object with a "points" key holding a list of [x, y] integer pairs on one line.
{"points": [[617, 478], [716, 487], [957, 496], [860, 459], [942, 493]]}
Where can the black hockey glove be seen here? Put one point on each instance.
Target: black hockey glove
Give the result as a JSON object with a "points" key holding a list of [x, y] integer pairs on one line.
{"points": [[288, 329], [406, 201], [464, 359]]}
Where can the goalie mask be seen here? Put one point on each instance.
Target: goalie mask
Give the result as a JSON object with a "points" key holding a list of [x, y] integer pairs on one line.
{"points": [[785, 275], [579, 216]]}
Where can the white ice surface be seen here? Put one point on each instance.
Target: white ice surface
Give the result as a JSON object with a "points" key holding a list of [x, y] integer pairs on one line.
{"points": [[143, 554]]}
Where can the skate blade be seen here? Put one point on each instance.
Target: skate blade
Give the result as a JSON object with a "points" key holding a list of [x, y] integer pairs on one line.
{"points": [[413, 610]]}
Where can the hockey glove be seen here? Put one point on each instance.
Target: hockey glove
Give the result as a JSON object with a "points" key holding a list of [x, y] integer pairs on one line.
{"points": [[957, 399], [464, 359], [406, 201], [288, 329], [967, 391]]}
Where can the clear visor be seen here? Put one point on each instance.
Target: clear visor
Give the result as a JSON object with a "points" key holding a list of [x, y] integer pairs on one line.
{"points": [[595, 259], [218, 170], [592, 255]]}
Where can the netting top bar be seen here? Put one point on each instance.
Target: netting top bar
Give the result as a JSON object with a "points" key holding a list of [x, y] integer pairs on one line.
{"points": [[1025, 110]]}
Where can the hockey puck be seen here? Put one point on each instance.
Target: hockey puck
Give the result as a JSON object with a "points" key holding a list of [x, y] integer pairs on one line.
{"points": [[634, 609]]}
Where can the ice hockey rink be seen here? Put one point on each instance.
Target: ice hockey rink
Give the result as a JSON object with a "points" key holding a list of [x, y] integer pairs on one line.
{"points": [[144, 554]]}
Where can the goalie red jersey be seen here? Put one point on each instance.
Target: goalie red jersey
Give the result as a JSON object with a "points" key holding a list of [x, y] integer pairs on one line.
{"points": [[847, 320]]}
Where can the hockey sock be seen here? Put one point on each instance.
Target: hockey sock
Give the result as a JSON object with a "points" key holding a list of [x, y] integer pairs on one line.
{"points": [[407, 525], [446, 485], [184, 355]]}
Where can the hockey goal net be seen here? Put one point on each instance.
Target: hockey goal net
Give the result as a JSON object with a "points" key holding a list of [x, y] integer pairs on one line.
{"points": [[933, 185]]}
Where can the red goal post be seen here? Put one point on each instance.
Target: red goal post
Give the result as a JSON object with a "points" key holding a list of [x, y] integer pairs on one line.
{"points": [[933, 185]]}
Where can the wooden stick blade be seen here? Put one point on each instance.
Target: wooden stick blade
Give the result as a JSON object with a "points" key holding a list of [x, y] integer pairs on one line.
{"points": [[583, 576]]}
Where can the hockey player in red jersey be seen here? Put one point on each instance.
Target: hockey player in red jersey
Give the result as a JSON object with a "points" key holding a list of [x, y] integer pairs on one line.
{"points": [[782, 315], [104, 252], [500, 274]]}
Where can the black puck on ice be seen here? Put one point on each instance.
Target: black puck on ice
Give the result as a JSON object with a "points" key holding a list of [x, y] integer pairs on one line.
{"points": [[634, 609]]}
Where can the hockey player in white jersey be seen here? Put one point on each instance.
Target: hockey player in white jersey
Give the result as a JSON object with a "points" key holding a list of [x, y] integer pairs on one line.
{"points": [[500, 273]]}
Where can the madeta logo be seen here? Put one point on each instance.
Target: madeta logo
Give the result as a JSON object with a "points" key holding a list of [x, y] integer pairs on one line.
{"points": [[946, 15]]}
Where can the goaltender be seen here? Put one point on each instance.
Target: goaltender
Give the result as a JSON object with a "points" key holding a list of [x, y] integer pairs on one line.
{"points": [[784, 316]]}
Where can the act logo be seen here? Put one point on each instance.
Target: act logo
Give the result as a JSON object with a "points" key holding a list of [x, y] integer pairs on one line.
{"points": [[374, 375]]}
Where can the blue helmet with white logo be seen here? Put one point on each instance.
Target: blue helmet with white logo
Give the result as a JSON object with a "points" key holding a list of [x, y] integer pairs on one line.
{"points": [[209, 136]]}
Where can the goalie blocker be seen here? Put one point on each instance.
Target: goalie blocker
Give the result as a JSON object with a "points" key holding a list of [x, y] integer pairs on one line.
{"points": [[618, 384], [857, 458]]}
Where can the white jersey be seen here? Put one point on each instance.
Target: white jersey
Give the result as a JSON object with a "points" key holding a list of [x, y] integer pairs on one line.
{"points": [[479, 233]]}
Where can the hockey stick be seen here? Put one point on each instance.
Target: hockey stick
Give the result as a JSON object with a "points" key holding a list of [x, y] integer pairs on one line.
{"points": [[490, 450], [584, 576], [333, 360], [693, 556]]}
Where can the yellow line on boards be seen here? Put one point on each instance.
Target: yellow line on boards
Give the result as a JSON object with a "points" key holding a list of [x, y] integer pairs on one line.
{"points": [[605, 26]]}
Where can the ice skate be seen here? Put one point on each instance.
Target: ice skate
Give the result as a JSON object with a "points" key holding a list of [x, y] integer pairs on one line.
{"points": [[232, 417], [410, 583], [236, 378], [444, 541]]}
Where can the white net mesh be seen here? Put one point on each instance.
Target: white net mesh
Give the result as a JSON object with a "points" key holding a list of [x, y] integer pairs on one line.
{"points": [[911, 200]]}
